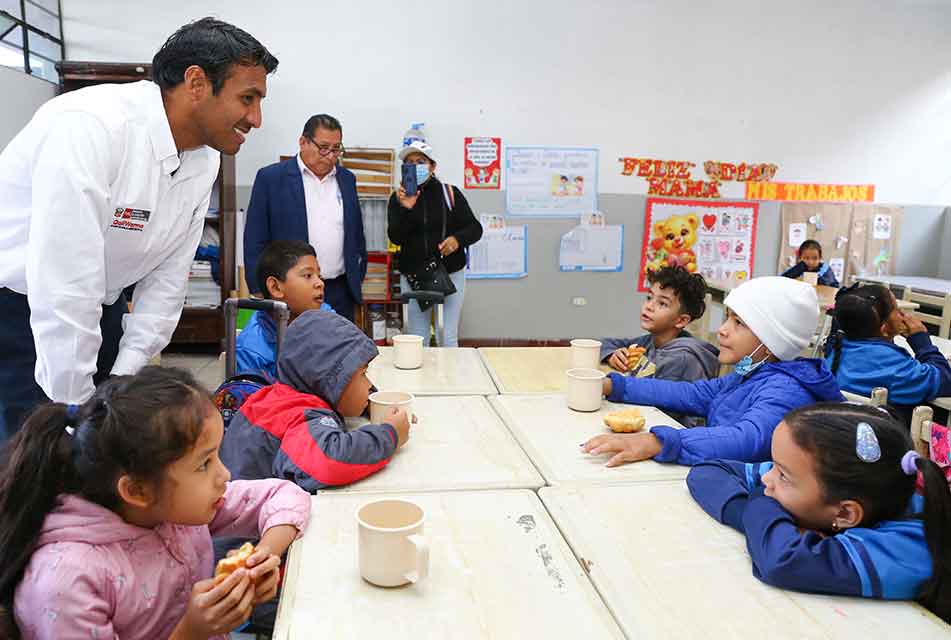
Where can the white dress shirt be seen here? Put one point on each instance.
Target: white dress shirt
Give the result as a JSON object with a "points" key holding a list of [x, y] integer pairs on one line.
{"points": [[89, 206], [324, 219]]}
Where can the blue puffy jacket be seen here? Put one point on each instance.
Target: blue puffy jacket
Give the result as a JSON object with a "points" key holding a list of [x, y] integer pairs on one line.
{"points": [[741, 412]]}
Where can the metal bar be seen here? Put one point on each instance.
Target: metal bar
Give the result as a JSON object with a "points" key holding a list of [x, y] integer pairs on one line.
{"points": [[62, 37], [26, 40], [42, 8], [8, 31]]}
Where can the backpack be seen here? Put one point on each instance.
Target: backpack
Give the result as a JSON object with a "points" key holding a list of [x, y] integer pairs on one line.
{"points": [[232, 393]]}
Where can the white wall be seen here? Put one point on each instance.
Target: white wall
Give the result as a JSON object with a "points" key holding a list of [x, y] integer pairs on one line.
{"points": [[840, 92], [22, 96]]}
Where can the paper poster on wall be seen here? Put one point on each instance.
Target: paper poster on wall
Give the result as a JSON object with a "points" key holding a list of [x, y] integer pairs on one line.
{"points": [[882, 227], [592, 248], [798, 232], [551, 181], [483, 163], [714, 239], [837, 266], [501, 253]]}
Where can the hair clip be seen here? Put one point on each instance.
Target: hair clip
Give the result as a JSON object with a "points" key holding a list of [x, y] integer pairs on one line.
{"points": [[866, 443], [908, 463]]}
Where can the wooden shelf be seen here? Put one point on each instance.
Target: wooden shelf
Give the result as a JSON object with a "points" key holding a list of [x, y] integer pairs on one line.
{"points": [[198, 325]]}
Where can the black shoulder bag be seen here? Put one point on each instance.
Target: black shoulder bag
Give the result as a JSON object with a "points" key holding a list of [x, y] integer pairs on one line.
{"points": [[432, 274]]}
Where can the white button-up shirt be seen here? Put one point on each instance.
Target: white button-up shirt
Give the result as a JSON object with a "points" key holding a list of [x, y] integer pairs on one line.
{"points": [[89, 206], [324, 219]]}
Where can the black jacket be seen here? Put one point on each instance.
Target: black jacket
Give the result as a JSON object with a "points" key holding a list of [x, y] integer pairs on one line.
{"points": [[418, 231]]}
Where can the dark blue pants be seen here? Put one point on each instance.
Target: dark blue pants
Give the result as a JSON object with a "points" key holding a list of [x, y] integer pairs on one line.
{"points": [[337, 295], [19, 393]]}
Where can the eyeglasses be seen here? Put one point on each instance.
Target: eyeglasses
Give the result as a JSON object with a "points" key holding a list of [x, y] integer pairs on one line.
{"points": [[326, 149]]}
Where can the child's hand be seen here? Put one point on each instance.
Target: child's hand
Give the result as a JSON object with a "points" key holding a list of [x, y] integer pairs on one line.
{"points": [[263, 567], [913, 324], [400, 421], [607, 387], [627, 447], [618, 360], [216, 610], [407, 202]]}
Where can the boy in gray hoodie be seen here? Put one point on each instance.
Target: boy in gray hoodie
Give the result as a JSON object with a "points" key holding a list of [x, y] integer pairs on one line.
{"points": [[294, 429], [675, 299]]}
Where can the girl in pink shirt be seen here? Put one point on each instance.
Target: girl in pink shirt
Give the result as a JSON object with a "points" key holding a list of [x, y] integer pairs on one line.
{"points": [[107, 511]]}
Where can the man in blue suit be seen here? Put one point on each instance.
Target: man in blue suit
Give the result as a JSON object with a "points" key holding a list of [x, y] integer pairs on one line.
{"points": [[313, 199]]}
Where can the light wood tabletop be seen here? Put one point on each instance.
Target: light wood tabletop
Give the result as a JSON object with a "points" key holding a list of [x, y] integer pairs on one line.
{"points": [[445, 371], [528, 369], [551, 434], [499, 568], [668, 570], [459, 442]]}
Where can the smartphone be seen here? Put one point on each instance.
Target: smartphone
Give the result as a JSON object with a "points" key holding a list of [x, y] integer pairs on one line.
{"points": [[409, 179]]}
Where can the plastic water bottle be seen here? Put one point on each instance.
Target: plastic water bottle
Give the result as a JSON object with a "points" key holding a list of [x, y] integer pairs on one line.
{"points": [[415, 132]]}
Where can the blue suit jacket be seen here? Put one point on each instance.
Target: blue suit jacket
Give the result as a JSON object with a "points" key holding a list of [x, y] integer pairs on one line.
{"points": [[278, 211]]}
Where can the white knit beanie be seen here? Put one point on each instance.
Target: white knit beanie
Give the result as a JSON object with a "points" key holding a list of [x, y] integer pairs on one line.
{"points": [[781, 312]]}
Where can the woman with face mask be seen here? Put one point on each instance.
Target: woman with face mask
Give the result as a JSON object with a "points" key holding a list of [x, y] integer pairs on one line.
{"points": [[435, 223]]}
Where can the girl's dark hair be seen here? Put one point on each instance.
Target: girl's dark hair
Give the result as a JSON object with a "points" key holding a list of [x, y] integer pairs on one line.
{"points": [[827, 431], [860, 311], [213, 45], [809, 244], [133, 425]]}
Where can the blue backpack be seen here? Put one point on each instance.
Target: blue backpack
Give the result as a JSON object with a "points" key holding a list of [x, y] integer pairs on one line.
{"points": [[232, 393]]}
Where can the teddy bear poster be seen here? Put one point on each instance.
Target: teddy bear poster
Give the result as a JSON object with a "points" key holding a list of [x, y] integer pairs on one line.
{"points": [[716, 240]]}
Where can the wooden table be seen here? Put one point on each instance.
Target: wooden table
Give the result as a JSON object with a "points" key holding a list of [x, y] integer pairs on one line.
{"points": [[498, 569], [445, 371], [668, 570], [459, 443], [921, 284], [551, 433], [826, 295], [528, 369]]}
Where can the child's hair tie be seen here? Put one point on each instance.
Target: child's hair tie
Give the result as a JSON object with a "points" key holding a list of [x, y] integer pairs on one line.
{"points": [[866, 443], [72, 410], [908, 463]]}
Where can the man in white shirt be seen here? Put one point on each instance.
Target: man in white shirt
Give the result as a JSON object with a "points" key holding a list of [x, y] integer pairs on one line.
{"points": [[311, 198], [107, 187]]}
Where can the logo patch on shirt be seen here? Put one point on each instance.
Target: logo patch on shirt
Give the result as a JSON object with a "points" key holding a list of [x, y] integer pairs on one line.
{"points": [[130, 219]]}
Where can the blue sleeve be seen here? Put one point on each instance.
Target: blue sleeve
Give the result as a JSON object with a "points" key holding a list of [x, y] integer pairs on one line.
{"points": [[785, 558], [747, 440], [722, 488], [610, 345], [795, 271], [827, 276], [250, 361], [686, 398], [935, 370], [257, 232]]}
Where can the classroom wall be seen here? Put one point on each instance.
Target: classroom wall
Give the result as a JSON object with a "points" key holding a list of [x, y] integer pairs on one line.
{"points": [[22, 96], [845, 92]]}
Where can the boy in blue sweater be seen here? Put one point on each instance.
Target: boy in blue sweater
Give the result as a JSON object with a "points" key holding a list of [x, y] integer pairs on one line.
{"points": [[287, 271], [769, 322], [836, 511], [862, 353], [810, 260]]}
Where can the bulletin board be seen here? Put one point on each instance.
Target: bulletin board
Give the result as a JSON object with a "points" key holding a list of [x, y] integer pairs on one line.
{"points": [[715, 239], [856, 239]]}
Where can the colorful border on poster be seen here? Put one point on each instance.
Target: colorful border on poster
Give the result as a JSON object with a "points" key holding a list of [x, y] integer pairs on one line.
{"points": [[479, 170], [504, 276], [701, 205]]}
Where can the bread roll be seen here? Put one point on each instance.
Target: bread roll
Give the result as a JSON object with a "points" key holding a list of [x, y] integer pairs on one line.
{"points": [[625, 421], [227, 566]]}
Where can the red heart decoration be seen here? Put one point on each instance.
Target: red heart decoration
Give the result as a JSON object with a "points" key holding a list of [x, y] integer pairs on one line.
{"points": [[709, 220]]}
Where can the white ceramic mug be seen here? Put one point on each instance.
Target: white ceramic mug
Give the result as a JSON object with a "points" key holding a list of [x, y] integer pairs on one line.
{"points": [[585, 354], [584, 389], [811, 277], [381, 401], [407, 351], [391, 548]]}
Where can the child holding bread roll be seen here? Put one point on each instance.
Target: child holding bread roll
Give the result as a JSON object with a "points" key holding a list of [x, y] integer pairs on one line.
{"points": [[769, 322], [107, 510]]}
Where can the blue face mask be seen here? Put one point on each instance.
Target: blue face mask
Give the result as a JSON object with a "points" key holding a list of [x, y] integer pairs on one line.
{"points": [[746, 366], [422, 173]]}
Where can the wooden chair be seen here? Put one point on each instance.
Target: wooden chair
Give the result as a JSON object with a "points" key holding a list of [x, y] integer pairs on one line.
{"points": [[921, 430], [943, 303], [878, 398]]}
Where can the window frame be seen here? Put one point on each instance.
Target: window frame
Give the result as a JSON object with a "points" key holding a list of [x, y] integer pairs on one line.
{"points": [[26, 28]]}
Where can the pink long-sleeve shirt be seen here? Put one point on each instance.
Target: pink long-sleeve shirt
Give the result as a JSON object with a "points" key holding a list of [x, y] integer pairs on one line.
{"points": [[95, 576]]}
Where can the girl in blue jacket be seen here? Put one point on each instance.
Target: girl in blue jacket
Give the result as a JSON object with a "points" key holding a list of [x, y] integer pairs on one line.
{"points": [[769, 322], [836, 511], [862, 354]]}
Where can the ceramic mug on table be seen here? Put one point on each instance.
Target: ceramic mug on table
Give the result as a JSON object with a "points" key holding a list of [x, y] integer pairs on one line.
{"points": [[382, 401], [585, 354], [407, 351], [390, 546], [584, 389]]}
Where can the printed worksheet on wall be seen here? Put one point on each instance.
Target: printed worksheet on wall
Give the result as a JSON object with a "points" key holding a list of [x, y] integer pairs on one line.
{"points": [[592, 248], [501, 253]]}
